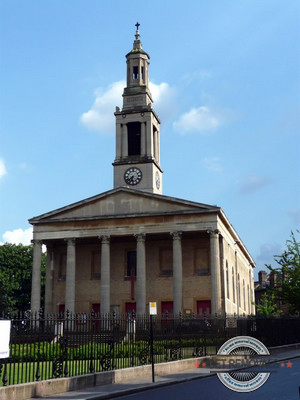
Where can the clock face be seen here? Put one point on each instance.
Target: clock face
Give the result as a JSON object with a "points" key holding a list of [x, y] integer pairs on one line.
{"points": [[157, 180], [133, 176]]}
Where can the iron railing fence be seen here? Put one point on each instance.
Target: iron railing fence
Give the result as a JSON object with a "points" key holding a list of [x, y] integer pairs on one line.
{"points": [[64, 345]]}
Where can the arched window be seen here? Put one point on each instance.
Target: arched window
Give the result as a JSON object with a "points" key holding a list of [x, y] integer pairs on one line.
{"points": [[249, 300], [227, 280], [244, 295], [233, 286]]}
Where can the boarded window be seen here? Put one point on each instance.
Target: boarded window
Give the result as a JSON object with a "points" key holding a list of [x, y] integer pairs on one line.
{"points": [[96, 265], [201, 259], [131, 263], [62, 267], [166, 262]]}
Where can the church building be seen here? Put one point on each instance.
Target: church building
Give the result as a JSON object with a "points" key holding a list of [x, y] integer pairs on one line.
{"points": [[123, 248]]}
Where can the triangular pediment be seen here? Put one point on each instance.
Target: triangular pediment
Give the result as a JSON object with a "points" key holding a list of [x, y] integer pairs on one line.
{"points": [[123, 202]]}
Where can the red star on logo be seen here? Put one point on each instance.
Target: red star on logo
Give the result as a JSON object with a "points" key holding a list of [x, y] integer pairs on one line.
{"points": [[196, 364], [282, 364], [203, 365], [289, 364]]}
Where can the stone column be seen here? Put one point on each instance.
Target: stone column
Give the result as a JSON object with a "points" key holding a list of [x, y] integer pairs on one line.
{"points": [[143, 138], [177, 273], [36, 276], [140, 274], [70, 275], [105, 275], [49, 279], [149, 140], [216, 303], [124, 141], [118, 141]]}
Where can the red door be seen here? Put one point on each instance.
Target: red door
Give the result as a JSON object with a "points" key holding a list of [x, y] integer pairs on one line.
{"points": [[96, 308], [130, 308], [61, 309], [204, 307], [96, 317], [166, 308]]}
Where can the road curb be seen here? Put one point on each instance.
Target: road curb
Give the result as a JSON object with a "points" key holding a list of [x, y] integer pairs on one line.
{"points": [[155, 385]]}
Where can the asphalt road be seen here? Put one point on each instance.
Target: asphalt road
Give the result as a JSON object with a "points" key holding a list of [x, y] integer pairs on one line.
{"points": [[283, 385]]}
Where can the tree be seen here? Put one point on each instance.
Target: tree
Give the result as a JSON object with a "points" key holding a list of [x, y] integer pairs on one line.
{"points": [[15, 277], [267, 306], [287, 276]]}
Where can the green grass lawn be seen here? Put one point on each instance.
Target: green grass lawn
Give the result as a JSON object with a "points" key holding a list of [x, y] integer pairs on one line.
{"points": [[30, 371]]}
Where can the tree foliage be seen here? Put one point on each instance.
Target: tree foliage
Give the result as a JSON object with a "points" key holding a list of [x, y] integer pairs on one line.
{"points": [[287, 275], [15, 277], [267, 306]]}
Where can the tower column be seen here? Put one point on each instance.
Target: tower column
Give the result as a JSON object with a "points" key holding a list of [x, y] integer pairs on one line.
{"points": [[177, 273], [36, 276], [216, 303], [124, 141], [105, 275], [157, 147], [140, 274], [118, 140], [70, 275], [149, 141]]}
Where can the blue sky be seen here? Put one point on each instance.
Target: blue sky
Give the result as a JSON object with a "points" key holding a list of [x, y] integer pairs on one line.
{"points": [[226, 84]]}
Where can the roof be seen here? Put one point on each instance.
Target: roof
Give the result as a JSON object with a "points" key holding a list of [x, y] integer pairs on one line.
{"points": [[123, 202]]}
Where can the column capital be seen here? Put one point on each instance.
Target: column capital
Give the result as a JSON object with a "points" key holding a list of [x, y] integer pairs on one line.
{"points": [[70, 241], [36, 242], [176, 235], [140, 237], [105, 239], [214, 233]]}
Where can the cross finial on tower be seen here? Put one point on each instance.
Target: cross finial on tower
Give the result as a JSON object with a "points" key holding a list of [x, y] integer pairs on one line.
{"points": [[137, 26]]}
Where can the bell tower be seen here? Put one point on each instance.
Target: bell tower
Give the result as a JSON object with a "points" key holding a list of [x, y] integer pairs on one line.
{"points": [[137, 162]]}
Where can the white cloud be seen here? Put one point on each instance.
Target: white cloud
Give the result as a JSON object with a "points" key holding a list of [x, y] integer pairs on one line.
{"points": [[200, 119], [3, 170], [18, 236], [164, 99], [101, 118], [251, 183], [212, 164]]}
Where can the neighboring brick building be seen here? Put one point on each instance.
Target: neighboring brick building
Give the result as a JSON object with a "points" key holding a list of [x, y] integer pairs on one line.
{"points": [[123, 248]]}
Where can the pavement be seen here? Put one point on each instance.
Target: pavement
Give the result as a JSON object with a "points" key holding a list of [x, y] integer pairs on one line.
{"points": [[121, 389]]}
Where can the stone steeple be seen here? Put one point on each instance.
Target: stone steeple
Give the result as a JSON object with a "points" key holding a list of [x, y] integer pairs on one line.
{"points": [[137, 161]]}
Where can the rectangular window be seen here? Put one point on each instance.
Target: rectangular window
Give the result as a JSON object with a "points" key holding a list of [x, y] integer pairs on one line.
{"points": [[96, 265], [131, 263], [62, 267], [166, 262], [142, 73], [134, 138], [201, 261]]}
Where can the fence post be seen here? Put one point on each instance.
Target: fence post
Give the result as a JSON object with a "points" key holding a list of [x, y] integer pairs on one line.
{"points": [[151, 348]]}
